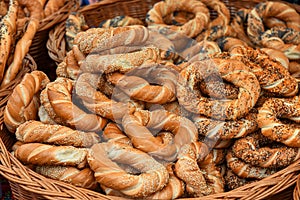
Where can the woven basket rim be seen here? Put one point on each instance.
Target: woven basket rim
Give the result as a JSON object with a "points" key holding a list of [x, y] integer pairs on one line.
{"points": [[14, 171]]}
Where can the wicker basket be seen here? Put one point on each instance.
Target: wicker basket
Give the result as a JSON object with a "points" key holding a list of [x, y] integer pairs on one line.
{"points": [[38, 48], [27, 184]]}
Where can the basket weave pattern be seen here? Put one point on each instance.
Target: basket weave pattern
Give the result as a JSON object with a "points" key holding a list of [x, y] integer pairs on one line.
{"points": [[27, 184]]}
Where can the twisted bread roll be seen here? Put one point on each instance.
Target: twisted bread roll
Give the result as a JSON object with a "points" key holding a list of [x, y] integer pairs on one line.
{"points": [[200, 51], [271, 22], [23, 103], [216, 32], [136, 128], [22, 46], [102, 159], [35, 131], [192, 28], [222, 10], [278, 56], [97, 102], [120, 62], [57, 100], [230, 70], [272, 76], [74, 24], [7, 32], [226, 129], [270, 9], [70, 67], [232, 181], [187, 169], [178, 18], [238, 21], [121, 20], [273, 128], [173, 190], [53, 6], [136, 87], [112, 132], [244, 170], [44, 116], [99, 39], [81, 178], [214, 87], [43, 154], [250, 150], [228, 43]]}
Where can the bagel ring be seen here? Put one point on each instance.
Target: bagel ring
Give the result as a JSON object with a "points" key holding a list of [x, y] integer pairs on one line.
{"points": [[250, 150], [192, 28], [273, 128], [103, 159], [136, 128], [231, 71]]}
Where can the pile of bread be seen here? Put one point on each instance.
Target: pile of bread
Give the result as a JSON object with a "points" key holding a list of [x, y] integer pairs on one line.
{"points": [[181, 105]]}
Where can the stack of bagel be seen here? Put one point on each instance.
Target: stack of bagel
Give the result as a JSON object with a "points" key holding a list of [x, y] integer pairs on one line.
{"points": [[178, 105]]}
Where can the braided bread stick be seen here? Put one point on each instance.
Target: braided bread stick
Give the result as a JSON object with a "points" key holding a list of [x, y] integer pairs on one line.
{"points": [[112, 132], [272, 76], [278, 56], [58, 103], [136, 87], [244, 170], [136, 128], [23, 103], [22, 46], [7, 32], [97, 102], [187, 169], [81, 178], [228, 43], [230, 70], [250, 149], [226, 129], [99, 39], [102, 159], [120, 62], [273, 128], [44, 154], [192, 28], [35, 131]]}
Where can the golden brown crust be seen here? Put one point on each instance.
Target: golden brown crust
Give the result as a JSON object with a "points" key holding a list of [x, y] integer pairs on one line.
{"points": [[23, 103], [22, 46], [139, 83], [244, 170], [191, 28], [44, 154], [111, 63], [137, 125], [272, 76], [270, 9], [100, 39], [35, 131], [231, 71], [81, 178], [7, 32], [251, 150], [269, 120], [113, 132], [57, 100], [97, 102], [103, 157], [278, 56], [226, 129]]}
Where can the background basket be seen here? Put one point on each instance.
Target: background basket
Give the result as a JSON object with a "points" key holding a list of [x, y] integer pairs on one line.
{"points": [[27, 184], [38, 48]]}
